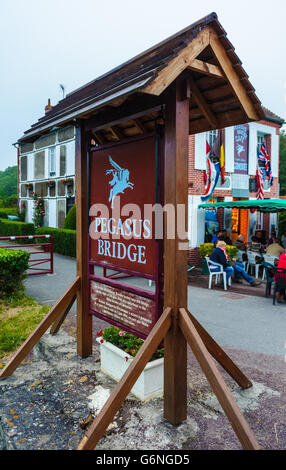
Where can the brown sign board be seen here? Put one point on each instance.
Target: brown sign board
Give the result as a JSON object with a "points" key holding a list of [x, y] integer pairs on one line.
{"points": [[122, 191]]}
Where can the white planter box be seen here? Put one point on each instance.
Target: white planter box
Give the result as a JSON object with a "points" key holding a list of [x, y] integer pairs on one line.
{"points": [[150, 382]]}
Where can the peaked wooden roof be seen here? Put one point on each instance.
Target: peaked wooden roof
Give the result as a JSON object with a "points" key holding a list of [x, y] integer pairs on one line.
{"points": [[221, 93]]}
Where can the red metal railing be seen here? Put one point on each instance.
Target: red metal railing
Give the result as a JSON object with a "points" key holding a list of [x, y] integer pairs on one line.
{"points": [[36, 258]]}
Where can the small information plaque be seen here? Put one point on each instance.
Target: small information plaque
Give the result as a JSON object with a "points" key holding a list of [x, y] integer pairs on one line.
{"points": [[122, 307]]}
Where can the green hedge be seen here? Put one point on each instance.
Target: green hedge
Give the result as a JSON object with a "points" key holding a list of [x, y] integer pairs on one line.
{"points": [[13, 264], [70, 220], [64, 240], [13, 228], [4, 212]]}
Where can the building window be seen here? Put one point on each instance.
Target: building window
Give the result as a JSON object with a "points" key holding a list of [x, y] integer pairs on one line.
{"points": [[52, 161], [211, 137], [63, 158], [260, 140], [24, 168], [39, 165]]}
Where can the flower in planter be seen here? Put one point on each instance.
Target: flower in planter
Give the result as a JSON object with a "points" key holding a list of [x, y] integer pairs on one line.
{"points": [[67, 181], [127, 342]]}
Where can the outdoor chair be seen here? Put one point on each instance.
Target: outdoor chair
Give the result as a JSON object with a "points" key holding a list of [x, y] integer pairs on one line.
{"points": [[280, 282], [270, 259], [269, 270], [217, 274], [240, 258], [251, 263]]}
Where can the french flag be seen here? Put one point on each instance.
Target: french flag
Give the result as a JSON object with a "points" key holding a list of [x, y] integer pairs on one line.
{"points": [[211, 176]]}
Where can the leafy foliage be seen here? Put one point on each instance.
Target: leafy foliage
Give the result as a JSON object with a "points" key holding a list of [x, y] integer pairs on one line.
{"points": [[39, 211], [206, 249], [64, 240], [13, 228], [128, 342], [13, 264], [8, 182], [70, 220]]}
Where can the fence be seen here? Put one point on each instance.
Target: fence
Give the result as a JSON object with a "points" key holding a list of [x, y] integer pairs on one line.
{"points": [[36, 260]]}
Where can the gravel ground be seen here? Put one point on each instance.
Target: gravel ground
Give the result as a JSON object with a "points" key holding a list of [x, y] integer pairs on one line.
{"points": [[47, 400]]}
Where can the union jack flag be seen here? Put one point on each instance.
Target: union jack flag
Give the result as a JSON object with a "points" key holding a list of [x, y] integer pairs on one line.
{"points": [[259, 183], [263, 158]]}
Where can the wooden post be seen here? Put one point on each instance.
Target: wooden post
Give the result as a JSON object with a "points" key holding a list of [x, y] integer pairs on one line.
{"points": [[84, 320], [175, 260]]}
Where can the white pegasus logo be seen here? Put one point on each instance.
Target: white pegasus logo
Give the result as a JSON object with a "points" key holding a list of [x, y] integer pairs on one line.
{"points": [[119, 182]]}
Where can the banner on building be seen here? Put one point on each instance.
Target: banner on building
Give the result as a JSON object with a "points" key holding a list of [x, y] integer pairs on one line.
{"points": [[241, 140]]}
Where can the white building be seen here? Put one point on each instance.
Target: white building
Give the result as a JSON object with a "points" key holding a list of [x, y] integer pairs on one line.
{"points": [[47, 168]]}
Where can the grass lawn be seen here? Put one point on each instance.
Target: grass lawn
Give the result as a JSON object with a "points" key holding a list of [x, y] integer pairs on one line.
{"points": [[18, 319]]}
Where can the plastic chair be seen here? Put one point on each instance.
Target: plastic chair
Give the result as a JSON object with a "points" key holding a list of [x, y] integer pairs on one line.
{"points": [[280, 281], [251, 263], [269, 270], [217, 274], [270, 260], [240, 258]]}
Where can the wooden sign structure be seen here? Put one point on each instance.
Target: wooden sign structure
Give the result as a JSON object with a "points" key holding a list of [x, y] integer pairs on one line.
{"points": [[190, 83]]}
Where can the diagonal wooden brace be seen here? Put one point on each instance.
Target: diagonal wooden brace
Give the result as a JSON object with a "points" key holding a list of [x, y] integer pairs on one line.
{"points": [[120, 392], [30, 342], [220, 355], [224, 396]]}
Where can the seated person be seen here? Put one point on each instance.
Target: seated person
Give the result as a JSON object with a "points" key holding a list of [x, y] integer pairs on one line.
{"points": [[219, 256], [240, 272], [283, 239], [239, 242], [275, 249], [281, 264], [259, 237], [215, 238], [226, 239], [272, 238]]}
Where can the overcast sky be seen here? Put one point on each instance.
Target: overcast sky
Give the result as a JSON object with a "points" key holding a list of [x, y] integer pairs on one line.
{"points": [[48, 42]]}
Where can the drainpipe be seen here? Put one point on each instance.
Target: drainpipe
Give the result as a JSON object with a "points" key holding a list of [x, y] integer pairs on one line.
{"points": [[17, 146]]}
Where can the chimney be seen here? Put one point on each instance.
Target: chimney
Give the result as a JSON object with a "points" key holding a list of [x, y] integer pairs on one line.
{"points": [[48, 107]]}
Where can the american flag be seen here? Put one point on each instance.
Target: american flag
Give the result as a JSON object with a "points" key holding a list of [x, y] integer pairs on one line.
{"points": [[259, 183], [263, 158]]}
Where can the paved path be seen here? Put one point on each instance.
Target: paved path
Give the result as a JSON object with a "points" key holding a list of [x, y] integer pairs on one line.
{"points": [[237, 321]]}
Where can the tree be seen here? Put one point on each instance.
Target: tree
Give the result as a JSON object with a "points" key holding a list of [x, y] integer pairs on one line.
{"points": [[8, 182]]}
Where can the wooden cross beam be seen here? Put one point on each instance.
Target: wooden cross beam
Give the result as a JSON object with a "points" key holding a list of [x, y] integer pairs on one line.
{"points": [[206, 68], [179, 63], [202, 104]]}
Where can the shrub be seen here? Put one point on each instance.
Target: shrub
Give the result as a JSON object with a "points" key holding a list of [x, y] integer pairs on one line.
{"points": [[64, 240], [70, 220], [13, 264], [10, 201], [13, 228], [128, 342], [231, 250], [4, 212], [206, 249]]}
